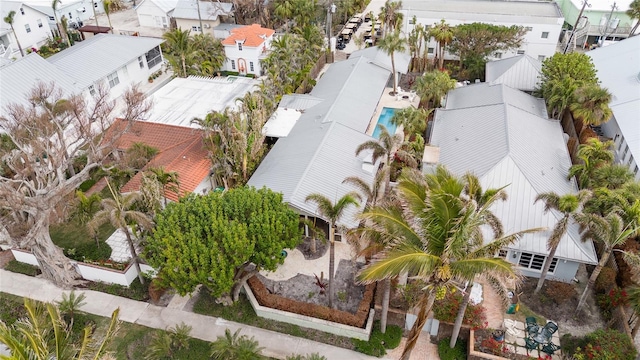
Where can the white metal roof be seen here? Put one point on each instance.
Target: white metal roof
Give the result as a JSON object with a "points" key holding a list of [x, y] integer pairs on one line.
{"points": [[319, 153], [381, 58], [281, 122], [183, 99], [519, 72], [93, 59], [490, 94], [504, 144], [19, 77], [164, 5], [618, 67], [209, 10]]}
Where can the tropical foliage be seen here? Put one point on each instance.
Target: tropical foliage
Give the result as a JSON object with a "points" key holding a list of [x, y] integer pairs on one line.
{"points": [[220, 240], [201, 54], [392, 43], [234, 346]]}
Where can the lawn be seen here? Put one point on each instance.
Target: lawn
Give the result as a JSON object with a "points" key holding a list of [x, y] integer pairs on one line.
{"points": [[71, 235]]}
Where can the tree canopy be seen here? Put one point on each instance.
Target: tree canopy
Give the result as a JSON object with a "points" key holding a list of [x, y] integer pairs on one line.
{"points": [[215, 239]]}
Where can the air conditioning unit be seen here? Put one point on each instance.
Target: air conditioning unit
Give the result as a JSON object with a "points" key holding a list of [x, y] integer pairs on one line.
{"points": [[206, 26], [81, 10]]}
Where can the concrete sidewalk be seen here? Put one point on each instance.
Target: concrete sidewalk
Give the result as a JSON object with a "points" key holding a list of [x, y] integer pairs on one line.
{"points": [[206, 328]]}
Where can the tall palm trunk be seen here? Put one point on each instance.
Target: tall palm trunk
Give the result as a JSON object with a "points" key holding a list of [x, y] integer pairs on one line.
{"points": [[386, 296], [134, 254], [592, 279], [457, 325], [17, 41], [545, 269], [635, 329], [393, 68], [184, 65], [426, 304], [441, 58], [332, 261]]}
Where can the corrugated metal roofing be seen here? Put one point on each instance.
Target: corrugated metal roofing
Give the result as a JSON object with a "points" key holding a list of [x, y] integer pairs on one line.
{"points": [[519, 72], [503, 144], [209, 10], [298, 101], [320, 150], [488, 94], [19, 77], [86, 61], [401, 59], [618, 68], [164, 5], [486, 11]]}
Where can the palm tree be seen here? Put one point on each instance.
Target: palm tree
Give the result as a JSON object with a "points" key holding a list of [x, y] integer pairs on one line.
{"points": [[634, 13], [561, 94], [591, 105], [234, 346], [71, 303], [390, 44], [120, 212], [390, 16], [168, 180], [332, 213], [63, 34], [443, 34], [412, 120], [593, 155], [568, 205], [610, 230], [43, 335], [430, 238], [9, 20], [432, 87], [106, 5], [181, 49], [370, 192]]}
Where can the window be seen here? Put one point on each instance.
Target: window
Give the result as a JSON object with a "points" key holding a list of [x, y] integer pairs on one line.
{"points": [[624, 153], [52, 18], [536, 262], [251, 66], [113, 79], [503, 253], [70, 16], [498, 55], [635, 170], [541, 57], [520, 52], [140, 62], [196, 28], [22, 11], [240, 46], [545, 34], [92, 90], [154, 57], [27, 28], [430, 50], [528, 28], [39, 23], [233, 64]]}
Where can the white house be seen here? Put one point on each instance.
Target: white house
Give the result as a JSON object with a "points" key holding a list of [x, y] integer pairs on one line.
{"points": [[31, 28], [75, 11], [116, 60], [186, 15], [543, 20], [156, 13], [246, 47], [618, 68], [504, 137]]}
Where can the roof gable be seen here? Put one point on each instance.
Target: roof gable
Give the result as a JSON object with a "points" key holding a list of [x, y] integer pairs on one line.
{"points": [[164, 5], [519, 72], [209, 10], [250, 35]]}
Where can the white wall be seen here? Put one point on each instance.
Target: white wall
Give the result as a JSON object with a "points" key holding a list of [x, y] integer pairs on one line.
{"points": [[149, 14], [38, 34], [188, 24], [612, 131], [533, 44], [248, 54]]}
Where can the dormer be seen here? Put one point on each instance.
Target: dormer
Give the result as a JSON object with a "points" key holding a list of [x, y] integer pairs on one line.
{"points": [[239, 43]]}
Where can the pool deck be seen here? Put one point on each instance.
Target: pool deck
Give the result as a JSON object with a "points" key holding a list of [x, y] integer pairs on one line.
{"points": [[391, 102]]}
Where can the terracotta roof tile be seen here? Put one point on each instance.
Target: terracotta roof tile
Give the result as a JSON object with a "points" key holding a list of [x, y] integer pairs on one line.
{"points": [[180, 149], [250, 35]]}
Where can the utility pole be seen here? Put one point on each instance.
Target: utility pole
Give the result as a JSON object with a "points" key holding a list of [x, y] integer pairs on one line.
{"points": [[609, 24], [585, 3], [200, 17], [330, 11]]}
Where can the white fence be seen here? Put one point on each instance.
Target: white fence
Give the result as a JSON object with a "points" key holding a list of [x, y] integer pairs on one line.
{"points": [[310, 322], [93, 272]]}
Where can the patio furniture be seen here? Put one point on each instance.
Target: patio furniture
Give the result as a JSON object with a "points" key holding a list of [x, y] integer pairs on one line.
{"points": [[550, 348], [530, 344], [531, 326], [550, 328]]}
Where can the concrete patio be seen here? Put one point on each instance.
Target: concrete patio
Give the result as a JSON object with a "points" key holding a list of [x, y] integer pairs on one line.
{"points": [[515, 341]]}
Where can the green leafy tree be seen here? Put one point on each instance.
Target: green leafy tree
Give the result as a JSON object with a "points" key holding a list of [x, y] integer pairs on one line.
{"points": [[106, 6], [180, 50], [71, 303], [568, 205], [412, 120], [417, 44], [332, 213], [43, 335], [591, 105], [429, 236], [166, 343], [221, 240], [392, 43], [390, 15], [443, 34], [634, 13], [62, 32], [234, 346], [592, 155], [9, 20], [86, 206], [561, 76], [168, 180], [209, 55], [432, 86]]}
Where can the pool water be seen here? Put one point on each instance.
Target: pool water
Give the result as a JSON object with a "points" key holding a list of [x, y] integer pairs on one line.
{"points": [[385, 120]]}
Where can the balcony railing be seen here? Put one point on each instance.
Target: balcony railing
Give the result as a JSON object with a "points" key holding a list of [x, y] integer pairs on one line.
{"points": [[621, 30]]}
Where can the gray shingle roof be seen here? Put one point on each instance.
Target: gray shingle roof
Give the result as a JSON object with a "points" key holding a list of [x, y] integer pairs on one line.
{"points": [[319, 152], [209, 10], [504, 144], [19, 77], [87, 62], [519, 72]]}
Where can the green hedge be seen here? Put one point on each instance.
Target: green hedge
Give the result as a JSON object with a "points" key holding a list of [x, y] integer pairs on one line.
{"points": [[378, 342], [90, 251], [600, 344], [459, 352], [86, 185], [135, 291], [22, 268]]}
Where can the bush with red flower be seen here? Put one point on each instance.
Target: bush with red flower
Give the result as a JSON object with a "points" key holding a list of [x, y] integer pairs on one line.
{"points": [[446, 310]]}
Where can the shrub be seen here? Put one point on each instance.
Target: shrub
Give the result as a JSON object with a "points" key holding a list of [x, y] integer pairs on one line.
{"points": [[459, 352], [86, 185], [606, 344], [135, 291], [605, 280], [11, 310], [379, 342], [373, 348], [609, 301], [447, 308], [90, 251], [22, 268], [560, 292]]}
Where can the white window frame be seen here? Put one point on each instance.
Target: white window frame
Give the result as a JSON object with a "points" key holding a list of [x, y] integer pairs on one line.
{"points": [[233, 64], [528, 28], [251, 66], [431, 50], [498, 55], [141, 62], [196, 28], [544, 35], [520, 52], [531, 262], [39, 22], [239, 46], [541, 57], [113, 79], [27, 28], [92, 90]]}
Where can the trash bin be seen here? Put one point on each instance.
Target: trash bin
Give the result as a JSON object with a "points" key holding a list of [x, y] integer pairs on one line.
{"points": [[513, 308]]}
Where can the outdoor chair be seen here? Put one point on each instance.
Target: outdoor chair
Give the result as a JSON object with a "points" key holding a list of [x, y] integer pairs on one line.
{"points": [[531, 321], [530, 344], [550, 348], [551, 327]]}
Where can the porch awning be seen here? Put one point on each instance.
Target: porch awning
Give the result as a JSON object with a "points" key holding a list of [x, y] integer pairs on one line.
{"points": [[281, 122]]}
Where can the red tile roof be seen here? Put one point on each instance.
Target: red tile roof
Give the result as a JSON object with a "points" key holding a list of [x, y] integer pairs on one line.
{"points": [[250, 35], [180, 149]]}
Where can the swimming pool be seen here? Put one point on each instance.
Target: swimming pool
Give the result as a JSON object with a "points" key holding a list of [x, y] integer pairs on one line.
{"points": [[385, 120]]}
